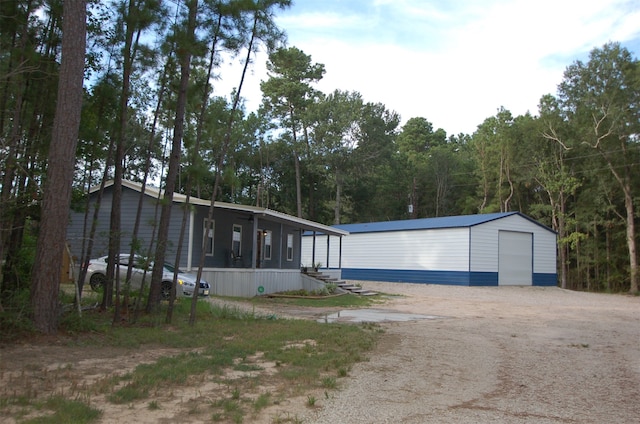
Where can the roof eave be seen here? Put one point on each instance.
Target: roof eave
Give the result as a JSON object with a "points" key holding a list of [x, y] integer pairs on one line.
{"points": [[302, 223]]}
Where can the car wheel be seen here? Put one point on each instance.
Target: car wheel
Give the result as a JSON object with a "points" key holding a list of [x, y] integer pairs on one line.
{"points": [[97, 281], [165, 290]]}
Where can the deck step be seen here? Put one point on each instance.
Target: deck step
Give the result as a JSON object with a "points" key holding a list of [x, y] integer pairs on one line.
{"points": [[365, 292], [343, 285]]}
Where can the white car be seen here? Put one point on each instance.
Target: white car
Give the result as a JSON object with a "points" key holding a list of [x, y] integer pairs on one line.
{"points": [[97, 274]]}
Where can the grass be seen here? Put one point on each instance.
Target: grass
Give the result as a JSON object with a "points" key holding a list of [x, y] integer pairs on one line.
{"points": [[307, 356], [344, 301], [311, 401], [63, 410]]}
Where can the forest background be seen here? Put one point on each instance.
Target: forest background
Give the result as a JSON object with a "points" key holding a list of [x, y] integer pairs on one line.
{"points": [[149, 115]]}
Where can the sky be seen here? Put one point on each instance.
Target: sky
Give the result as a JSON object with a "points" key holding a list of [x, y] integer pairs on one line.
{"points": [[452, 62]]}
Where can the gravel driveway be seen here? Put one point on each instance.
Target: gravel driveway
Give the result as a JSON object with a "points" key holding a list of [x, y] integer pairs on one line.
{"points": [[473, 355], [496, 355]]}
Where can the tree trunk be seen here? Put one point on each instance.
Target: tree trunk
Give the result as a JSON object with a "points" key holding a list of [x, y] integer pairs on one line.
{"points": [[223, 153], [57, 194], [174, 163], [631, 240], [116, 207]]}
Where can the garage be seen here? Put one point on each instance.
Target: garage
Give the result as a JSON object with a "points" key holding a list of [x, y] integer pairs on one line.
{"points": [[498, 249]]}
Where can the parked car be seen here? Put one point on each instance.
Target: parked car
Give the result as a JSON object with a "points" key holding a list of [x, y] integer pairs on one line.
{"points": [[97, 274]]}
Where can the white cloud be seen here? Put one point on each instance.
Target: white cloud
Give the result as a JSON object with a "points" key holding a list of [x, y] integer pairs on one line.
{"points": [[453, 63]]}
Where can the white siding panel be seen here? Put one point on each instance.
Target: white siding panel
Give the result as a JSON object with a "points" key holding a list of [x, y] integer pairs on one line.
{"points": [[334, 253], [484, 248], [484, 244], [445, 249], [545, 252], [321, 251], [435, 249]]}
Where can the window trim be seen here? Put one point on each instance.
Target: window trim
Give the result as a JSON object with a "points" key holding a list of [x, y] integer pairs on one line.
{"points": [[267, 235], [238, 253], [289, 247], [208, 235]]}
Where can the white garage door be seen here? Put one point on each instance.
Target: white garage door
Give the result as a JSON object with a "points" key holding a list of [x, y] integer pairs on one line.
{"points": [[515, 266]]}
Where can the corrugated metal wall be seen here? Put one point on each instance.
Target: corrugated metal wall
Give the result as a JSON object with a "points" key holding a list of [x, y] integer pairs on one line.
{"points": [[444, 249], [247, 282], [463, 256], [484, 244]]}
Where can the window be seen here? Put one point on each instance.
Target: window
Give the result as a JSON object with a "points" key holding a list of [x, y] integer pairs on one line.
{"points": [[289, 247], [208, 231], [266, 235], [236, 243]]}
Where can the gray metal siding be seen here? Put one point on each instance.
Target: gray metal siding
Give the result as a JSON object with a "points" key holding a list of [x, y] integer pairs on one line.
{"points": [[148, 217], [248, 282]]}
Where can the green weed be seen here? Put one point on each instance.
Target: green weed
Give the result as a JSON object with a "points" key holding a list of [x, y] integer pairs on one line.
{"points": [[221, 340], [311, 401], [65, 411]]}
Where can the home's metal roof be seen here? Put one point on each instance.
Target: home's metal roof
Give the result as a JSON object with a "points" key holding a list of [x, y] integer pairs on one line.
{"points": [[272, 215], [460, 221]]}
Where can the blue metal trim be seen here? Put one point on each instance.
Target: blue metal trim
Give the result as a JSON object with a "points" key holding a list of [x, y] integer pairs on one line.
{"points": [[457, 278], [483, 279], [545, 280]]}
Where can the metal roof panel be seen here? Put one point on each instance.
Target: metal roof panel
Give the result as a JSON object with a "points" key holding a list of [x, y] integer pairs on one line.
{"points": [[430, 223], [255, 210]]}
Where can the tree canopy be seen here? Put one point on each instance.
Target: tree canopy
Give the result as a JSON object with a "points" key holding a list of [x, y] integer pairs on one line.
{"points": [[152, 112]]}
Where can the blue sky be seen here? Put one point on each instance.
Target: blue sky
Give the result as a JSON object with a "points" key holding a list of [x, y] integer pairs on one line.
{"points": [[452, 62]]}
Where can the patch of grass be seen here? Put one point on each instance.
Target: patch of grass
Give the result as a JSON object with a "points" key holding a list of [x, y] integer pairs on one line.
{"points": [[235, 394], [579, 345], [221, 340], [311, 401], [230, 410], [346, 301], [129, 393], [262, 401], [247, 367], [288, 419], [65, 411], [329, 383]]}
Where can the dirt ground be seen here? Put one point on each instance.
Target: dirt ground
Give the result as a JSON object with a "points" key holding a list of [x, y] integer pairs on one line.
{"points": [[483, 355]]}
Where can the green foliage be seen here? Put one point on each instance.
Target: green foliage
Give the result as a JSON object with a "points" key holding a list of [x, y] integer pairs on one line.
{"points": [[72, 323], [572, 167], [311, 400], [262, 401], [223, 339], [15, 320], [60, 410], [329, 382], [346, 300]]}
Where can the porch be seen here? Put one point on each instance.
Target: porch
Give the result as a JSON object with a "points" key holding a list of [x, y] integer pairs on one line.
{"points": [[249, 282]]}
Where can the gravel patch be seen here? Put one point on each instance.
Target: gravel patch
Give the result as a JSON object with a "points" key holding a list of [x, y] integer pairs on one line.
{"points": [[496, 354], [447, 355]]}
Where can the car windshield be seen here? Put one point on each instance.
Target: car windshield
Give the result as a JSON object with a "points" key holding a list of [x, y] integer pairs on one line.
{"points": [[170, 267]]}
